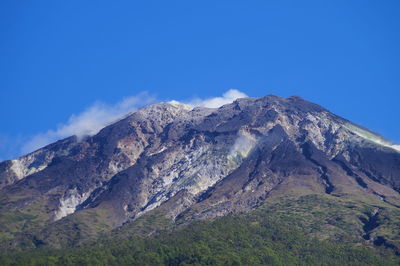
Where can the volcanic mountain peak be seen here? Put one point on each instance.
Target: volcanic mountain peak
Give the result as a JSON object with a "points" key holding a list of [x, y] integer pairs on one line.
{"points": [[195, 163]]}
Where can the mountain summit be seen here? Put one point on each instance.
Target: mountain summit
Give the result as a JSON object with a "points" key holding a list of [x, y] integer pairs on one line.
{"points": [[188, 164]]}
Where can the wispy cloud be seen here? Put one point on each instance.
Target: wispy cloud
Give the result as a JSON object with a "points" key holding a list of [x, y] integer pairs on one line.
{"points": [[101, 114], [216, 102], [90, 121]]}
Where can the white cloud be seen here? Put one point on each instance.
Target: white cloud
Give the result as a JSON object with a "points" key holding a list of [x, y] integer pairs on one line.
{"points": [[90, 121], [216, 102], [100, 114]]}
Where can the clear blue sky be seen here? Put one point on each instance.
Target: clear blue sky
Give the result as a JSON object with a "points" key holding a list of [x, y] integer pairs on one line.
{"points": [[59, 57]]}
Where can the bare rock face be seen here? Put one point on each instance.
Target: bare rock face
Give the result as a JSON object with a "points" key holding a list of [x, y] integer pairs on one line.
{"points": [[13, 170], [201, 163]]}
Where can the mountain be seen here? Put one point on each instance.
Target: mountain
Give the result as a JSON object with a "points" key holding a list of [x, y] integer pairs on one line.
{"points": [[168, 166]]}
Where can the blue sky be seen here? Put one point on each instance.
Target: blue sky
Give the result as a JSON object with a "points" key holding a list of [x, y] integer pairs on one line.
{"points": [[62, 58]]}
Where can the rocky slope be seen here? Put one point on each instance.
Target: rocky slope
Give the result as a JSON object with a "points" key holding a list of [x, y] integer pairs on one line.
{"points": [[196, 163]]}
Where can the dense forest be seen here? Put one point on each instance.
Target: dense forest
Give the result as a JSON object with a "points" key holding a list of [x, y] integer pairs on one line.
{"points": [[241, 239]]}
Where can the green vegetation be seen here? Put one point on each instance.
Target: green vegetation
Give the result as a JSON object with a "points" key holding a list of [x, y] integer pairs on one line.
{"points": [[291, 232], [332, 218], [19, 223]]}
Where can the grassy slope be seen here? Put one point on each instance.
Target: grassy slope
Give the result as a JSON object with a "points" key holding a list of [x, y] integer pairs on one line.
{"points": [[304, 230]]}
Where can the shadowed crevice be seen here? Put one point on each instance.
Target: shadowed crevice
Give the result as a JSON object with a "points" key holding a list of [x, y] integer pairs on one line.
{"points": [[350, 172], [329, 187]]}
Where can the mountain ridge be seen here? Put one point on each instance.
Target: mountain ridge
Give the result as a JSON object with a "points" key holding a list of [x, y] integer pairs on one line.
{"points": [[196, 163]]}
